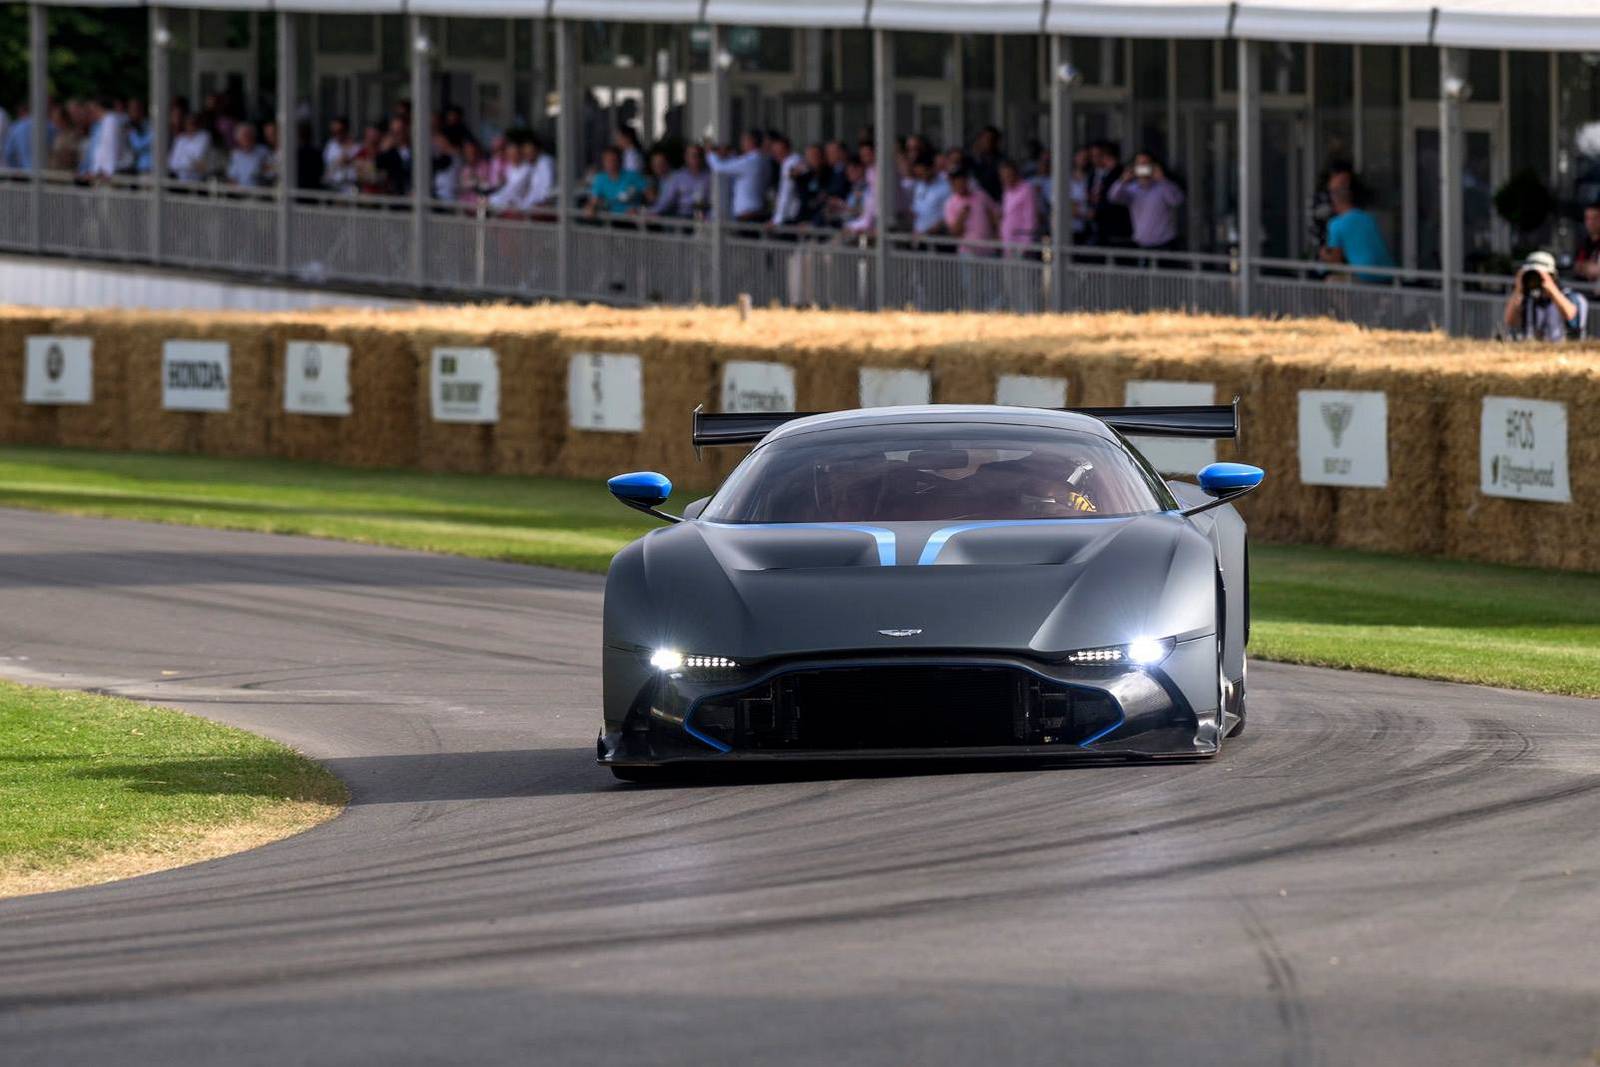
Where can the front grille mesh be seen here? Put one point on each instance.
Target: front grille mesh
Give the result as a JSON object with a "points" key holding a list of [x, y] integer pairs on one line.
{"points": [[886, 708]]}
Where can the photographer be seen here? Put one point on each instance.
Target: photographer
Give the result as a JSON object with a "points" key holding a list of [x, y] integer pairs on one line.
{"points": [[1539, 308]]}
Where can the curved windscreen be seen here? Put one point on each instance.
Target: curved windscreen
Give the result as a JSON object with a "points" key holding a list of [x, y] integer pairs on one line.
{"points": [[934, 472]]}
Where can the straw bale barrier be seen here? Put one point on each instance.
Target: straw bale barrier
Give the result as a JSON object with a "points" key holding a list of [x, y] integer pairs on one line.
{"points": [[1434, 388]]}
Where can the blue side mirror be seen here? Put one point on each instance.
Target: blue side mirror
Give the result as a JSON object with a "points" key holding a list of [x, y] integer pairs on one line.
{"points": [[1218, 479], [641, 488]]}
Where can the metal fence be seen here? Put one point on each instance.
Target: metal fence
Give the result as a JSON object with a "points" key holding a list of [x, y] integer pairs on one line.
{"points": [[331, 240]]}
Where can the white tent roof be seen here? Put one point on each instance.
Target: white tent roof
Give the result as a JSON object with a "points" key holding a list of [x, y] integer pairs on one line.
{"points": [[1565, 25]]}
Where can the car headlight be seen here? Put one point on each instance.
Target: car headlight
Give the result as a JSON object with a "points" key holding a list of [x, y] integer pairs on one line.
{"points": [[670, 660], [1140, 652]]}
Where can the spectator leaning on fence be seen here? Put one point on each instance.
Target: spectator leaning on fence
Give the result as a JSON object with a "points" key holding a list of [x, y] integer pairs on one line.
{"points": [[1586, 260], [249, 162], [339, 157], [786, 210], [748, 174], [614, 191], [930, 190], [686, 192], [189, 159], [1540, 308], [970, 214], [108, 152], [17, 153], [1152, 200], [1019, 209], [1353, 236]]}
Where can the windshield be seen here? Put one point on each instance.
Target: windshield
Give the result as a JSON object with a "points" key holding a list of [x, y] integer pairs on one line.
{"points": [[935, 472]]}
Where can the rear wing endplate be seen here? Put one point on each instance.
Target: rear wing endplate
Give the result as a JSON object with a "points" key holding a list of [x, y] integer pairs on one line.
{"points": [[1209, 420]]}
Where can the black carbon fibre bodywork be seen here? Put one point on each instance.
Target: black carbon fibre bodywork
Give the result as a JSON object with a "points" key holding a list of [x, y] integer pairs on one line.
{"points": [[915, 639]]}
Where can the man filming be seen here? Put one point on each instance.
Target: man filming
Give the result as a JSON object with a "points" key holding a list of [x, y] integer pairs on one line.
{"points": [[1540, 308]]}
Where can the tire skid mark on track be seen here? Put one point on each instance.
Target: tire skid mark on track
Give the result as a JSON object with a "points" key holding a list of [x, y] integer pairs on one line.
{"points": [[1284, 987]]}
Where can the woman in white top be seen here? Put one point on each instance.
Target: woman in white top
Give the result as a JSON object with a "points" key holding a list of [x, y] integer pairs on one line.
{"points": [[191, 158], [339, 158]]}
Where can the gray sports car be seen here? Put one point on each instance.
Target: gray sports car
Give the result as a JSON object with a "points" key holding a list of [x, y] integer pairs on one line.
{"points": [[932, 582]]}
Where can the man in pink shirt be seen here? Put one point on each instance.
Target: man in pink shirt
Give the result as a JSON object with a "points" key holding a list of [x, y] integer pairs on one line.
{"points": [[970, 214], [1019, 210]]}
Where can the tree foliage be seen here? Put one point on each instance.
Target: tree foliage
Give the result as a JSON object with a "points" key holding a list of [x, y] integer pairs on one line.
{"points": [[92, 51]]}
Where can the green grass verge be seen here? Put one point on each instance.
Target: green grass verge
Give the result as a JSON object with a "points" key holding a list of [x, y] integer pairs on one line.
{"points": [[1431, 618], [94, 787]]}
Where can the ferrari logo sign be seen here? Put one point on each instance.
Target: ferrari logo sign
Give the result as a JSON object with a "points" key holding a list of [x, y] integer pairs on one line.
{"points": [[316, 378]]}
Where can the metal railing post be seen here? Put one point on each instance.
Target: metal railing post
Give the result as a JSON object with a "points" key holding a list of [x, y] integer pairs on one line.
{"points": [[288, 134], [421, 146], [1062, 78], [1249, 136], [884, 179], [160, 106], [39, 108], [721, 60], [1452, 88], [566, 149]]}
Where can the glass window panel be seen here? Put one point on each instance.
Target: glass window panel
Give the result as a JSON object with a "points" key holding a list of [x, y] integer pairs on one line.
{"points": [[977, 61], [396, 60], [1483, 74], [1098, 59], [1335, 97], [475, 38], [1150, 70], [1381, 132], [920, 55], [346, 35], [1194, 71], [1283, 68], [1424, 73]]}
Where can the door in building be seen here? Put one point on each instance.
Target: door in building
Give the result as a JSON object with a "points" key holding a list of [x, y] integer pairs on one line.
{"points": [[1481, 172]]}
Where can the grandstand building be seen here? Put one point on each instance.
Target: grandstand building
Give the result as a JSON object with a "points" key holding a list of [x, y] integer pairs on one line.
{"points": [[1437, 106]]}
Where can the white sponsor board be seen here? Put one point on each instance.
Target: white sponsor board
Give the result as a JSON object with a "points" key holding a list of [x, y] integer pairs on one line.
{"points": [[749, 386], [195, 375], [60, 370], [316, 378], [1173, 455], [1030, 391], [1344, 438], [605, 391], [1522, 449], [465, 385], [884, 387]]}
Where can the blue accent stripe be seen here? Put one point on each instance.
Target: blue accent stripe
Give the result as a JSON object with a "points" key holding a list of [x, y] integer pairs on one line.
{"points": [[1086, 742], [712, 741], [884, 538], [930, 551]]}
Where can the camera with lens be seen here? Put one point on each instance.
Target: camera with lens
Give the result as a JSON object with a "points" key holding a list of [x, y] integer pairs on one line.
{"points": [[1532, 282]]}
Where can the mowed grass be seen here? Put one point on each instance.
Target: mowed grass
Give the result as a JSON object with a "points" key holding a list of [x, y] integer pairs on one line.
{"points": [[94, 788], [1505, 626], [548, 521]]}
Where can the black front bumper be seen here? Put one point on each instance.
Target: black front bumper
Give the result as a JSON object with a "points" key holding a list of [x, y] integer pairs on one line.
{"points": [[915, 707]]}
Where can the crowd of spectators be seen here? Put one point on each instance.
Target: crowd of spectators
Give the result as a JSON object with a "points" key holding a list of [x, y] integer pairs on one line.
{"points": [[975, 201]]}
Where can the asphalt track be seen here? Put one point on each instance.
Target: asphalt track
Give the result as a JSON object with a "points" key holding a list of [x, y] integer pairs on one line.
{"points": [[1382, 871]]}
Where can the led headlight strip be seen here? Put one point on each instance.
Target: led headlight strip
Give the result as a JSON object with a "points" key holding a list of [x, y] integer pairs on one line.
{"points": [[666, 659], [1140, 652]]}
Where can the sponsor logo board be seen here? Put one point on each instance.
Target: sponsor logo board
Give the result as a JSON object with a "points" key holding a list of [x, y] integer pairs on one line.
{"points": [[605, 391], [196, 375], [59, 370], [1522, 449], [1030, 391], [316, 378], [885, 387], [1173, 455], [465, 385], [755, 386], [1344, 438]]}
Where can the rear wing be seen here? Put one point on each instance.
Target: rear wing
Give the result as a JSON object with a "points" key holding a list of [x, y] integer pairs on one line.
{"points": [[1210, 420]]}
